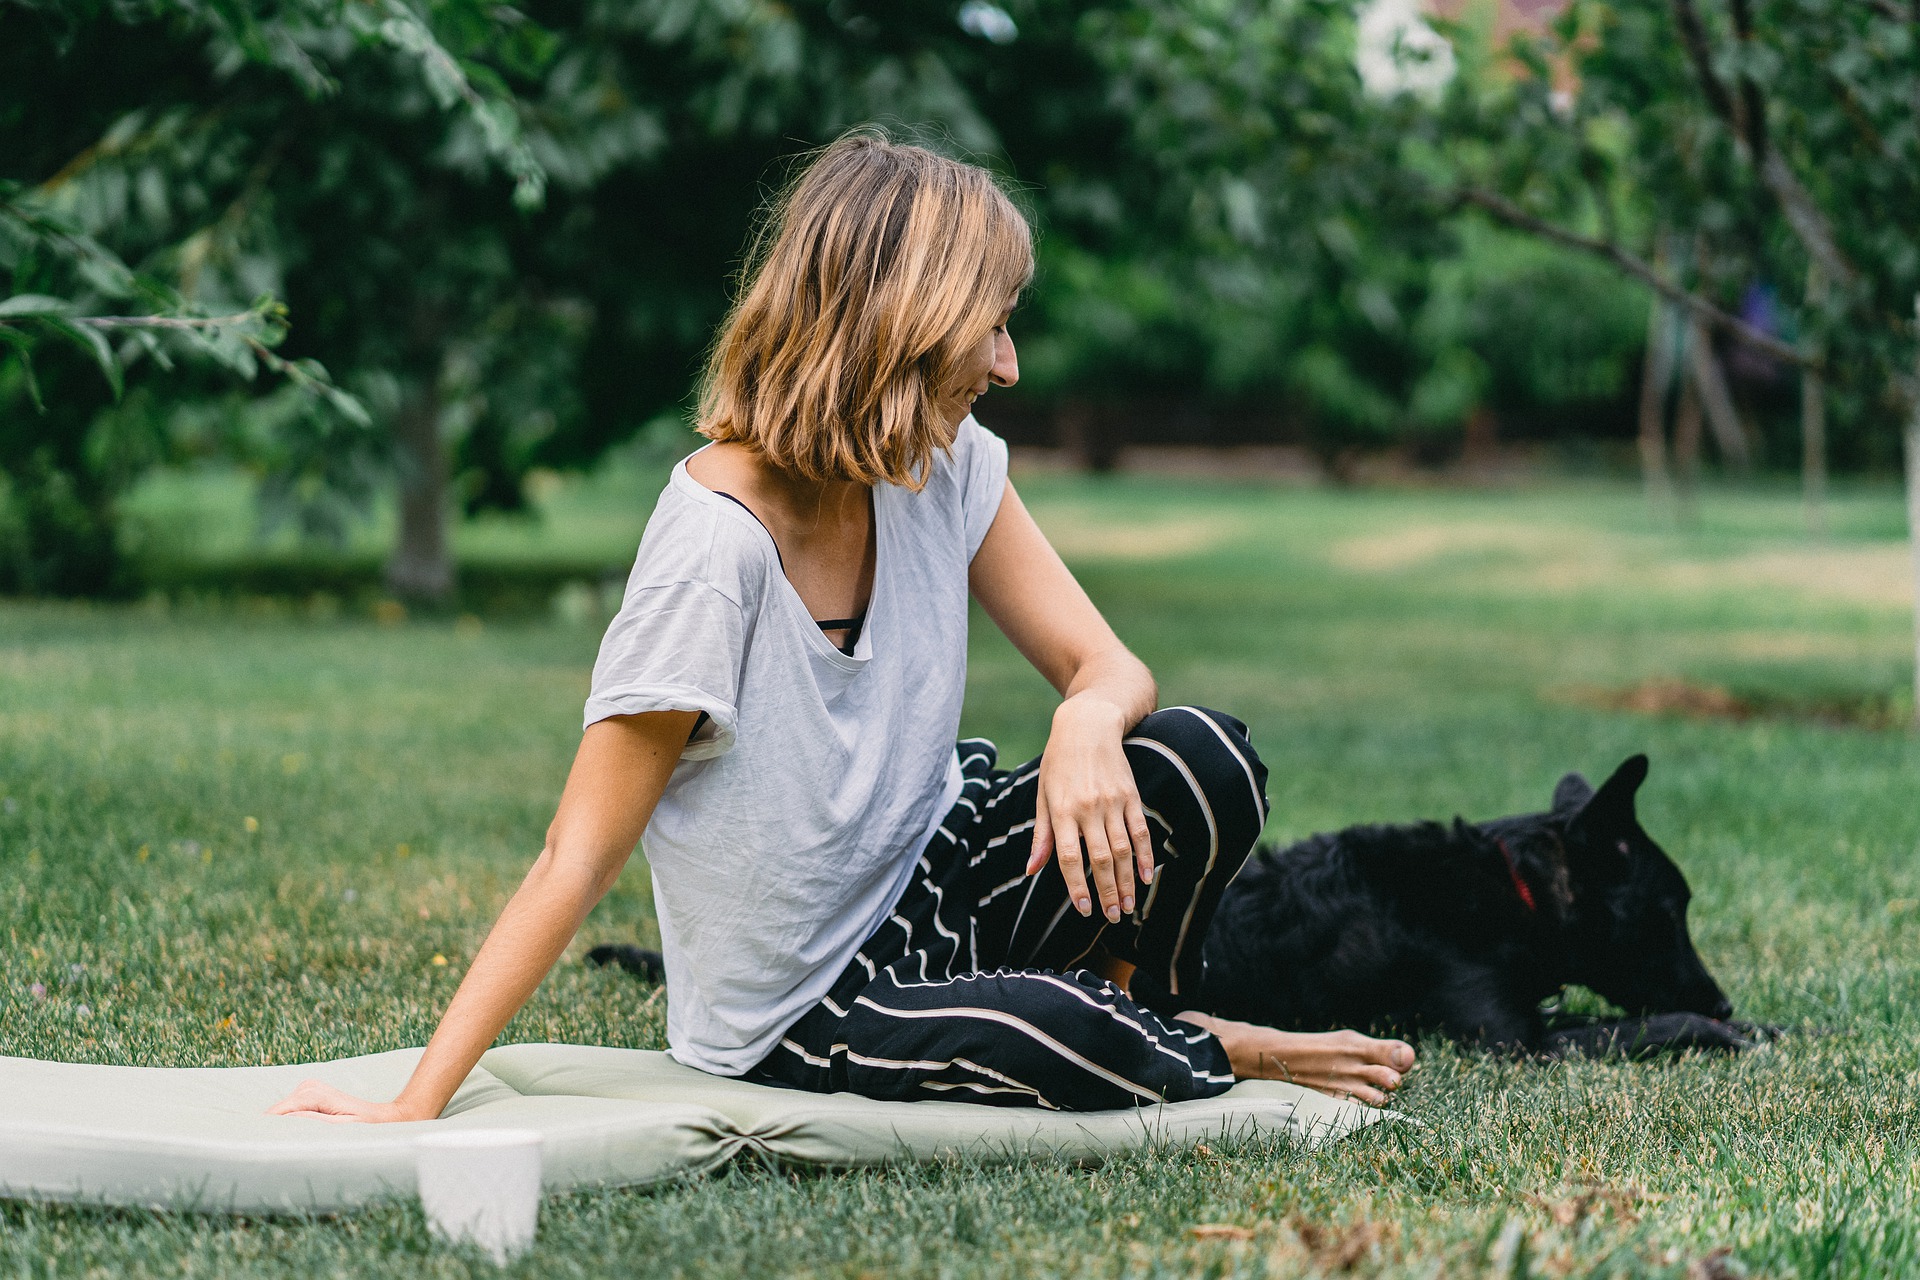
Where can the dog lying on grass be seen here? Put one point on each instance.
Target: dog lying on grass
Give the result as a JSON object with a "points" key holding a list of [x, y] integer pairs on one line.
{"points": [[1462, 931]]}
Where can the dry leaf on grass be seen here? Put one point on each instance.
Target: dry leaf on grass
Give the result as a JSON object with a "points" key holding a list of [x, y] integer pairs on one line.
{"points": [[1590, 1198], [1340, 1248], [1220, 1231]]}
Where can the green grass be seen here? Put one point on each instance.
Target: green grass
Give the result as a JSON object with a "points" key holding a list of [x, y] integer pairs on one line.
{"points": [[1398, 655]]}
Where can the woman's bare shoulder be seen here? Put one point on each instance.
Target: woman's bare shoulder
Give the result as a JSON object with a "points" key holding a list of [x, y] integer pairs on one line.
{"points": [[724, 467]]}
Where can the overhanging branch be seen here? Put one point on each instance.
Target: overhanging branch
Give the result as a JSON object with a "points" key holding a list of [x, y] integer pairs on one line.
{"points": [[1746, 114], [165, 322], [1631, 264]]}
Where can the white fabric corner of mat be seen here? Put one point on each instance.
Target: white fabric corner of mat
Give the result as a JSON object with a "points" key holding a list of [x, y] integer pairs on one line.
{"points": [[199, 1138], [845, 1130]]}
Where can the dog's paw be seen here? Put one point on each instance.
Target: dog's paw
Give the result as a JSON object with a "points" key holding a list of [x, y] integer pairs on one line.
{"points": [[1759, 1032], [648, 966], [1655, 1036]]}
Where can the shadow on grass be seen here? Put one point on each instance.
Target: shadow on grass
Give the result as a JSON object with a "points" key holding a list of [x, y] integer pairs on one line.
{"points": [[323, 585], [1667, 696]]}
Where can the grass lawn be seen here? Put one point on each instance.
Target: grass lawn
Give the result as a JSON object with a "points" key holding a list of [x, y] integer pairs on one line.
{"points": [[242, 833]]}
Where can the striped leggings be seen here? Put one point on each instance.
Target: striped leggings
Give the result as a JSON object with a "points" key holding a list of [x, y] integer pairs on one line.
{"points": [[971, 989]]}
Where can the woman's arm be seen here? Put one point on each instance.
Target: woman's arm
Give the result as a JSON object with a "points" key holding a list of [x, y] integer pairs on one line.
{"points": [[1087, 799], [618, 774]]}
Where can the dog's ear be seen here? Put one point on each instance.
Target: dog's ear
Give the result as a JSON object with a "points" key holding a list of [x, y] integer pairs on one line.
{"points": [[1601, 824], [1573, 791]]}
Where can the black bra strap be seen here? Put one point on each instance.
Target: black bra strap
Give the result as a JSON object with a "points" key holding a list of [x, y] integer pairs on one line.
{"points": [[762, 523], [850, 625]]}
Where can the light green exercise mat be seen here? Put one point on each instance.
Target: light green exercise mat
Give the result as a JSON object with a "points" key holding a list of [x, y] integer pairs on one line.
{"points": [[200, 1138]]}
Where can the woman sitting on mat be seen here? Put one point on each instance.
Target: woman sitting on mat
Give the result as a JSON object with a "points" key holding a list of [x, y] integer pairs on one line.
{"points": [[846, 900]]}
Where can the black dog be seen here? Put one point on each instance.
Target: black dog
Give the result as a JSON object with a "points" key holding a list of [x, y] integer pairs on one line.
{"points": [[1464, 931]]}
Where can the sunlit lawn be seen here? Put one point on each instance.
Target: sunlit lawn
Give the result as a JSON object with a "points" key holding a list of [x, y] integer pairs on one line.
{"points": [[241, 832]]}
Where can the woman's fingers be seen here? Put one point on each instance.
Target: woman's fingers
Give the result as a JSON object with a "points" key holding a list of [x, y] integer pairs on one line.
{"points": [[311, 1098], [1067, 840], [1042, 834], [1140, 836], [1100, 870], [1122, 846]]}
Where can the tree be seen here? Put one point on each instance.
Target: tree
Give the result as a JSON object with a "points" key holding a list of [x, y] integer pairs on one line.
{"points": [[496, 226], [179, 127], [1782, 136]]}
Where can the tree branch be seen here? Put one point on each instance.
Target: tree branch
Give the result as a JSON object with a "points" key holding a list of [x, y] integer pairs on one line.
{"points": [[1693, 34], [1746, 116], [1514, 216], [164, 322], [1752, 107]]}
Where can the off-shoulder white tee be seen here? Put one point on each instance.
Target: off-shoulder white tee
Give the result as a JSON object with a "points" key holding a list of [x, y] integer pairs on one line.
{"points": [[797, 814]]}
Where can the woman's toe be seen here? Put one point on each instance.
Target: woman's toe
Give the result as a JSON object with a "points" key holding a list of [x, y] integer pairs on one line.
{"points": [[1383, 1078]]}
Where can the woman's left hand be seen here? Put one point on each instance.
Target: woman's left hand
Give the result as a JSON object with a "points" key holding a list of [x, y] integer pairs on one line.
{"points": [[1088, 810]]}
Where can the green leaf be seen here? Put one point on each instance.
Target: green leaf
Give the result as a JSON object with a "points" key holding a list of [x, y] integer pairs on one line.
{"points": [[88, 339], [35, 304], [23, 346]]}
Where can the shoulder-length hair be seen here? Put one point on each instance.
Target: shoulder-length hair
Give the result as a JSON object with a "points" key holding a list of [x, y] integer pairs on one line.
{"points": [[878, 270]]}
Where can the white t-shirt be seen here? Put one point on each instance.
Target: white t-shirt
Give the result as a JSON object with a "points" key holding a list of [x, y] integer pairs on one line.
{"points": [[796, 816]]}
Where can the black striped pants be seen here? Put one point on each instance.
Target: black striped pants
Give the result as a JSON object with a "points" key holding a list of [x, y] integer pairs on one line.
{"points": [[971, 989]]}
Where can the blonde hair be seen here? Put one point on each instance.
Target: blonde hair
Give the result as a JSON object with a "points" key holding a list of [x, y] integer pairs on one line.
{"points": [[877, 271]]}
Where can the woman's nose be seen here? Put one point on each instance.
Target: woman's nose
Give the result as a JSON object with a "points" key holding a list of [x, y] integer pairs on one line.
{"points": [[1006, 363]]}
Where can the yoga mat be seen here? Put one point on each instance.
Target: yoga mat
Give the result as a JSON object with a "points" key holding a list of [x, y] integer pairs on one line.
{"points": [[198, 1138]]}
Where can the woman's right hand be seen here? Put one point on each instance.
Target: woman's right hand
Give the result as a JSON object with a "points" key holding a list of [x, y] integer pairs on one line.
{"points": [[336, 1106]]}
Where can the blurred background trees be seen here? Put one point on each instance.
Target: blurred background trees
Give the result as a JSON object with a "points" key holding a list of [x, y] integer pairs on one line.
{"points": [[413, 251]]}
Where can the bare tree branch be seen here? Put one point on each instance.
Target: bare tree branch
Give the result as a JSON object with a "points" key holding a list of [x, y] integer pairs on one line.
{"points": [[1514, 216], [165, 322]]}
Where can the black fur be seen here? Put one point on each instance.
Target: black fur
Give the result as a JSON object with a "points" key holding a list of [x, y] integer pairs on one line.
{"points": [[1423, 929], [648, 966]]}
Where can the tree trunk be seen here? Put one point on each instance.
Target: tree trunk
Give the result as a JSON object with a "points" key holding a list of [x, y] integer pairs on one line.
{"points": [[1656, 375], [1913, 504], [421, 568], [1086, 433], [1813, 450], [1686, 449], [1813, 419], [1715, 399]]}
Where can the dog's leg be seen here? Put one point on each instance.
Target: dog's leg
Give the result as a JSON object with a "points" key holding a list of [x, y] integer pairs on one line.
{"points": [[1648, 1037], [1472, 1003]]}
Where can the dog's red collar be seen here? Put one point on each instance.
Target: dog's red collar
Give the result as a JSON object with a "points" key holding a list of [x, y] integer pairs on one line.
{"points": [[1519, 884]]}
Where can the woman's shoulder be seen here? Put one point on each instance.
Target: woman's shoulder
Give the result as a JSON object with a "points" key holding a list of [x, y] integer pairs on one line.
{"points": [[698, 536]]}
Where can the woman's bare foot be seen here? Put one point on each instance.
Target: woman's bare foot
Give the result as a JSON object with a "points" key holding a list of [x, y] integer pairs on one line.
{"points": [[1345, 1064]]}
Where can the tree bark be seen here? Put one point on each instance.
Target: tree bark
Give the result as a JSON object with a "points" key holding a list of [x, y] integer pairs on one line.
{"points": [[1087, 435], [1717, 402], [1813, 418], [421, 568], [1656, 376], [1686, 449], [1913, 503]]}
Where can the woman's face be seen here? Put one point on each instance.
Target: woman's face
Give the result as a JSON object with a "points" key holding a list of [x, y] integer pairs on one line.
{"points": [[991, 363]]}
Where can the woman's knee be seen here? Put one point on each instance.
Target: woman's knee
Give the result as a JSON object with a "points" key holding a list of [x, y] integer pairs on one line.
{"points": [[1214, 748]]}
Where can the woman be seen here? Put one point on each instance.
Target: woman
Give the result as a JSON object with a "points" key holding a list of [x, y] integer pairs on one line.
{"points": [[846, 901]]}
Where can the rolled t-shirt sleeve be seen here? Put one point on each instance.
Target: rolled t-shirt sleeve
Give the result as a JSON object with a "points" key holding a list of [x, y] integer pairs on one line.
{"points": [[673, 647], [981, 461]]}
